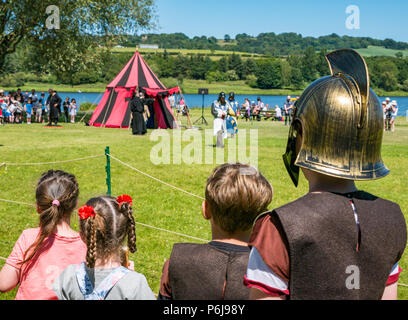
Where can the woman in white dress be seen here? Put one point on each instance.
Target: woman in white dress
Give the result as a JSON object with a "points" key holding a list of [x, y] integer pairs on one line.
{"points": [[73, 110]]}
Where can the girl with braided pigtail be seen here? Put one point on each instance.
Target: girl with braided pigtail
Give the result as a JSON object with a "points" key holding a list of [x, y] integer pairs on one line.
{"points": [[105, 223], [42, 253]]}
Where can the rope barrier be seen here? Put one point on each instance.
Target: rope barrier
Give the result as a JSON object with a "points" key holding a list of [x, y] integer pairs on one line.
{"points": [[151, 177], [52, 162], [139, 223], [180, 234], [16, 202]]}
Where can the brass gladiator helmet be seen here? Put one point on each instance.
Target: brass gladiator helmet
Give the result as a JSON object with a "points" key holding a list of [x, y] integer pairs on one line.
{"points": [[341, 120]]}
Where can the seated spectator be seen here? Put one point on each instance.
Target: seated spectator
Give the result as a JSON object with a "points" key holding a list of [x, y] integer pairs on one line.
{"points": [[40, 254], [105, 223], [235, 195]]}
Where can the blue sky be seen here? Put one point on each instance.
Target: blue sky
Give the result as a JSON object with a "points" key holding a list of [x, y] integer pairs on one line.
{"points": [[378, 19]]}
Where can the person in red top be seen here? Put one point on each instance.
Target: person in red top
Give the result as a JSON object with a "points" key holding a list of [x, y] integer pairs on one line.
{"points": [[41, 254]]}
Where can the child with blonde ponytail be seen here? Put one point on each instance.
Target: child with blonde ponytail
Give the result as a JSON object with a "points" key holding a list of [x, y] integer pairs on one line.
{"points": [[105, 223], [41, 254]]}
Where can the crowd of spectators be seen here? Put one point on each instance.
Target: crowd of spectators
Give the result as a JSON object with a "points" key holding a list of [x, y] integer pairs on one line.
{"points": [[27, 107]]}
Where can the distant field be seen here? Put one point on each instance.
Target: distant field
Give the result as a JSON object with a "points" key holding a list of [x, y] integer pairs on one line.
{"points": [[188, 52], [373, 51]]}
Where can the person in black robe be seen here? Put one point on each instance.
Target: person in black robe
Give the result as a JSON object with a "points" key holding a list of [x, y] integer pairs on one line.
{"points": [[137, 109], [55, 107]]}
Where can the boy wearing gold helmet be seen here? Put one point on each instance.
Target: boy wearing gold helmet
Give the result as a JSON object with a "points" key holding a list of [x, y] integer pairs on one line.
{"points": [[336, 242]]}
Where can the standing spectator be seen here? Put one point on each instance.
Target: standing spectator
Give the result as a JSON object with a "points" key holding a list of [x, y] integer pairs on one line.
{"points": [[25, 94], [73, 108], [232, 115], [19, 110], [34, 98], [387, 113], [44, 111], [394, 110], [55, 107], [29, 110], [288, 107], [2, 96], [11, 110], [20, 94], [384, 106], [66, 106], [172, 100], [246, 105], [256, 111], [2, 101]]}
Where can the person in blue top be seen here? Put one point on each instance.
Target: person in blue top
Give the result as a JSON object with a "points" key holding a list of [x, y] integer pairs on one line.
{"points": [[232, 114], [29, 110]]}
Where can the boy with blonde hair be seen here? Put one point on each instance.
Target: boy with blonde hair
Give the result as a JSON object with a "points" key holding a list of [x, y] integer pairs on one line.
{"points": [[235, 195]]}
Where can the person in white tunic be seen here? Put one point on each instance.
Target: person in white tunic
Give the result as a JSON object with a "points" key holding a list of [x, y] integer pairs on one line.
{"points": [[219, 110]]}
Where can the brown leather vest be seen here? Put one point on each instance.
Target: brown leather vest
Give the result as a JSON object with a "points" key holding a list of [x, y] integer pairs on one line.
{"points": [[322, 235], [204, 272]]}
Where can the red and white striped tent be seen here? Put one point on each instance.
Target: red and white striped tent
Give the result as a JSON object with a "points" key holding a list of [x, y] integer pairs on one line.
{"points": [[113, 111]]}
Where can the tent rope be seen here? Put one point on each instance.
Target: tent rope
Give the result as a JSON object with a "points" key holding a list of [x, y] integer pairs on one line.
{"points": [[88, 111]]}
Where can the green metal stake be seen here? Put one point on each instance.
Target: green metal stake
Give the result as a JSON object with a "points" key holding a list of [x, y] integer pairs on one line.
{"points": [[108, 171]]}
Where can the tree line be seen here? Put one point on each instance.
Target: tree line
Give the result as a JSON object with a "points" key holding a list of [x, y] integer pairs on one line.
{"points": [[265, 43], [289, 72]]}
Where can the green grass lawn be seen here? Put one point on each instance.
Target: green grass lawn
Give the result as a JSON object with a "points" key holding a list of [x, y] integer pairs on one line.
{"points": [[155, 204]]}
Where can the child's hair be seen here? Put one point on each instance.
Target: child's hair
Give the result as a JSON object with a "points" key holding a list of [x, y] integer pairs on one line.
{"points": [[29, 100], [73, 100], [56, 196], [237, 194], [105, 233]]}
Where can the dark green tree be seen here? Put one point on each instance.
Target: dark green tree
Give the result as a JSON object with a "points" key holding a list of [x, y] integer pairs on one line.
{"points": [[83, 23], [269, 74]]}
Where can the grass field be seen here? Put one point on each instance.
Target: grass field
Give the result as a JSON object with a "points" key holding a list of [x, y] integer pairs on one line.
{"points": [[373, 51], [156, 204]]}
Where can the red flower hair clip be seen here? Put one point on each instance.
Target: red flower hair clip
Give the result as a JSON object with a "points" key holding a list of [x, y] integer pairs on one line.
{"points": [[124, 198], [85, 212]]}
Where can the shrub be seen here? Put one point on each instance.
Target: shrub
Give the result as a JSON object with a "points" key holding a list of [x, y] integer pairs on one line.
{"points": [[12, 80], [251, 81]]}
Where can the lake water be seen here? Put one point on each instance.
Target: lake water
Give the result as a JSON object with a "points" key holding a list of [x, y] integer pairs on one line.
{"points": [[196, 101]]}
